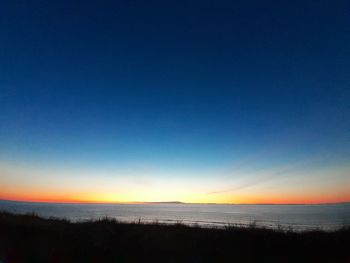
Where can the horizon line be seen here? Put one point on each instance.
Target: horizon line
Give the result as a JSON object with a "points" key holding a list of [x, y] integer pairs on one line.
{"points": [[161, 202]]}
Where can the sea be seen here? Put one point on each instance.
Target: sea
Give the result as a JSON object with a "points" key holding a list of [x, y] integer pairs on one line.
{"points": [[296, 217]]}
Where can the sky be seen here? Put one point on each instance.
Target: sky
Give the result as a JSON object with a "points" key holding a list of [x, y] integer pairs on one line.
{"points": [[243, 101]]}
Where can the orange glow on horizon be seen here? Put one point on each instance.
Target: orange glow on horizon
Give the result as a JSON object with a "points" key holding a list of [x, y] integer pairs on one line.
{"points": [[80, 186], [240, 200]]}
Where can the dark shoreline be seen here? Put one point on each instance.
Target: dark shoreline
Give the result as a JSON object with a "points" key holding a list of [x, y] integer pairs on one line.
{"points": [[29, 238]]}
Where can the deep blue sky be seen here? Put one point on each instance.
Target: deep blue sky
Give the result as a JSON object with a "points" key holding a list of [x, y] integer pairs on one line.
{"points": [[174, 83]]}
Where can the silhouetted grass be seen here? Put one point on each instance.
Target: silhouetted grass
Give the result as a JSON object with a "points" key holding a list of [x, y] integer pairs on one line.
{"points": [[29, 238]]}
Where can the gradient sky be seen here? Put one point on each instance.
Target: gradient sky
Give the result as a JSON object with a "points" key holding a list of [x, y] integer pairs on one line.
{"points": [[195, 101]]}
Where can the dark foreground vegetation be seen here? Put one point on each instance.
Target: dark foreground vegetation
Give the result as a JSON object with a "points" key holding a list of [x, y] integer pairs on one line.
{"points": [[29, 238]]}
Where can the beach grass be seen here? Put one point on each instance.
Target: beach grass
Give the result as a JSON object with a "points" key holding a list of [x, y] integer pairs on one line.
{"points": [[30, 238]]}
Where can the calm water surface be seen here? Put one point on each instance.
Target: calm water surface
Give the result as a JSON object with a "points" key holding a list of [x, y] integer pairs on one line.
{"points": [[299, 217]]}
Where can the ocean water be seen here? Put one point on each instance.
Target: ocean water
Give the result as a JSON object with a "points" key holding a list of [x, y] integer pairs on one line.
{"points": [[297, 217]]}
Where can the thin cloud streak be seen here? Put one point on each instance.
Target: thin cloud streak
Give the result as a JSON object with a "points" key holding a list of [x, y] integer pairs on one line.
{"points": [[284, 172]]}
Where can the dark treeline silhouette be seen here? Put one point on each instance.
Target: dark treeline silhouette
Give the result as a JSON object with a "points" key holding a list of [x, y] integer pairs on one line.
{"points": [[29, 238]]}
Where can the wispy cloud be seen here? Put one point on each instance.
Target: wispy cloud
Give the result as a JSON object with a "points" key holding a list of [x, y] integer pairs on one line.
{"points": [[297, 167]]}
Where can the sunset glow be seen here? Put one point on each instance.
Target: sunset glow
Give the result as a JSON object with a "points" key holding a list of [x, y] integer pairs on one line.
{"points": [[113, 187], [195, 102]]}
